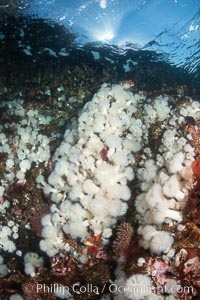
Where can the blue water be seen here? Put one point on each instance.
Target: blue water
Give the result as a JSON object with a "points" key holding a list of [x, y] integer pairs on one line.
{"points": [[170, 27]]}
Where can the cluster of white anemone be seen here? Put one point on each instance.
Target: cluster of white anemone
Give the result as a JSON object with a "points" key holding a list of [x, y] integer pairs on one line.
{"points": [[26, 132], [93, 165], [95, 162], [165, 181], [25, 146]]}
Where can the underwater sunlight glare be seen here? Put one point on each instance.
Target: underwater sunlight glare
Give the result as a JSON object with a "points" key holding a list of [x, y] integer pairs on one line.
{"points": [[169, 27]]}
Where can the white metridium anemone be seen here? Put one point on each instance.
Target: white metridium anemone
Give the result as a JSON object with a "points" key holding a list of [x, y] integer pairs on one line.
{"points": [[176, 163], [16, 297], [153, 296], [172, 187], [171, 287], [31, 261], [147, 232], [138, 286], [159, 214], [157, 241], [161, 242]]}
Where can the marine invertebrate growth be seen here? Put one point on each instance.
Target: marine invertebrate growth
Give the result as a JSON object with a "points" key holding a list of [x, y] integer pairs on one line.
{"points": [[93, 165], [123, 238]]}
